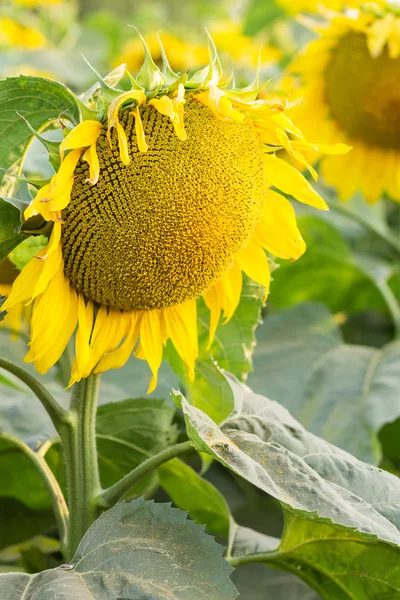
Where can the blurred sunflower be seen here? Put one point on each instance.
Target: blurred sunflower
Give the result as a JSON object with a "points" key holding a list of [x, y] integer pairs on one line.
{"points": [[349, 77], [231, 41], [18, 314], [165, 199], [312, 6], [12, 34]]}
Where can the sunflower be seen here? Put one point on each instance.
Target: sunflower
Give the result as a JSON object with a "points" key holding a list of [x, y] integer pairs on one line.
{"points": [[12, 35], [165, 199], [312, 6], [349, 79]]}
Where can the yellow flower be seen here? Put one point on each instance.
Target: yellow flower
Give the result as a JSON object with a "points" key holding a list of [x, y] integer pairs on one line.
{"points": [[349, 78], [35, 3], [12, 34], [165, 200], [18, 314], [312, 6]]}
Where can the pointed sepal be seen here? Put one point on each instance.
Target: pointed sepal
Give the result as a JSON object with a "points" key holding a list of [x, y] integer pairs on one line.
{"points": [[150, 77], [170, 76], [109, 93]]}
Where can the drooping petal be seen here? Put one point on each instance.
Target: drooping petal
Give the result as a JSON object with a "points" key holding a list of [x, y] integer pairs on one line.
{"points": [[83, 135], [118, 357], [290, 181], [140, 137], [92, 159], [254, 262], [82, 340], [212, 300], [151, 343], [53, 322], [277, 230], [181, 323]]}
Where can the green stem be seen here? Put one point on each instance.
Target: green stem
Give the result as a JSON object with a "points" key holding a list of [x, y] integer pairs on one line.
{"points": [[59, 415], [59, 505], [82, 471], [116, 492], [392, 304], [354, 216], [261, 557]]}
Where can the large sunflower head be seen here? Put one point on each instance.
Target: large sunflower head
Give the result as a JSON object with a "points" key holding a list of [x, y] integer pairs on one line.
{"points": [[166, 198], [350, 78]]}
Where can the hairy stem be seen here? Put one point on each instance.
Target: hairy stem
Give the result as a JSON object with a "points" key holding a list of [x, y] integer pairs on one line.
{"points": [[116, 492], [82, 471]]}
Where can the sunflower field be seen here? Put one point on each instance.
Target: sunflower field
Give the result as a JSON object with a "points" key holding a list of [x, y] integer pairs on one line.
{"points": [[199, 300]]}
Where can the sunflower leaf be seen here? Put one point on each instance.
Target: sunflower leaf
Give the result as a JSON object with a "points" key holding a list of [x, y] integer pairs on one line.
{"points": [[135, 550], [36, 99], [265, 445]]}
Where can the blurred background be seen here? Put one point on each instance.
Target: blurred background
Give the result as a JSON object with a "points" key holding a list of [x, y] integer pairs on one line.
{"points": [[49, 36]]}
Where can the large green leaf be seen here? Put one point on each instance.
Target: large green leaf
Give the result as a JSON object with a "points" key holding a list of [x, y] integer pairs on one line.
{"points": [[134, 551], [199, 497], [262, 443], [258, 582], [302, 362], [339, 564], [19, 523], [232, 349], [289, 345], [353, 384], [129, 432], [38, 100], [19, 478]]}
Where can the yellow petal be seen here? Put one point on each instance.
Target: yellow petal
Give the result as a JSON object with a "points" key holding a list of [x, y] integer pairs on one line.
{"points": [[173, 108], [53, 322], [290, 181], [92, 159], [181, 323], [254, 262], [151, 343], [108, 331], [277, 230], [231, 286], [83, 135], [123, 144], [82, 340], [117, 358], [140, 137], [23, 285], [212, 300]]}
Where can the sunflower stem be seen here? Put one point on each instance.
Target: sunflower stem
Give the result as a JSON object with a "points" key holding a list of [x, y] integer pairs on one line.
{"points": [[108, 497], [82, 471]]}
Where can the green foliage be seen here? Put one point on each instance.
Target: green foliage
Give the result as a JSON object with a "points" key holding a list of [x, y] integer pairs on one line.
{"points": [[162, 553], [36, 99], [196, 495], [262, 443], [302, 362]]}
